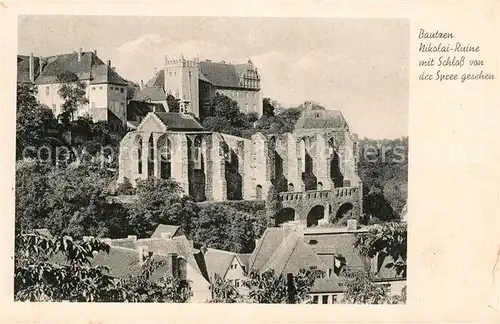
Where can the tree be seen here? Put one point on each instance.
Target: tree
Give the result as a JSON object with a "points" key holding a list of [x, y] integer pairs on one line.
{"points": [[33, 122], [360, 289], [161, 201], [267, 107], [223, 291], [172, 103], [224, 227], [67, 201], [166, 289], [389, 239], [227, 117], [269, 288], [72, 91], [38, 278], [60, 269]]}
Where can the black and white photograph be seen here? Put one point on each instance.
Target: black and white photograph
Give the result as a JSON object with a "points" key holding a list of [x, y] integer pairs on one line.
{"points": [[191, 159]]}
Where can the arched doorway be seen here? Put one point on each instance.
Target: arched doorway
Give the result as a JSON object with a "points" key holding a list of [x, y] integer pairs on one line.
{"points": [[165, 158], [335, 172], [344, 210], [151, 156], [284, 215], [291, 187], [314, 215], [258, 192], [320, 185], [138, 153]]}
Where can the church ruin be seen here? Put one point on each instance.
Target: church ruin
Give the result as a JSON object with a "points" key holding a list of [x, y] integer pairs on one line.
{"points": [[313, 169]]}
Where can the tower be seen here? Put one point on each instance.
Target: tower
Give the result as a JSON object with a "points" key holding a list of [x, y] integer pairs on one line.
{"points": [[181, 81]]}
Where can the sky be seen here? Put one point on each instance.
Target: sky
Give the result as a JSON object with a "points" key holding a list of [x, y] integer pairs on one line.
{"points": [[357, 66]]}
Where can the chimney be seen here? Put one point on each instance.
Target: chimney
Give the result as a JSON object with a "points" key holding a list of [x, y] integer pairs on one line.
{"points": [[352, 224], [80, 51], [142, 84], [95, 52], [40, 65], [175, 264], [133, 238], [32, 68], [109, 63], [143, 253]]}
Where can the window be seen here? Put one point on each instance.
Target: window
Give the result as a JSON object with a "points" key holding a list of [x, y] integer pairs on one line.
{"points": [[54, 108], [47, 90], [93, 88], [121, 90], [236, 283], [170, 73], [100, 88], [254, 94], [315, 299], [324, 299], [334, 299], [246, 107], [254, 108]]}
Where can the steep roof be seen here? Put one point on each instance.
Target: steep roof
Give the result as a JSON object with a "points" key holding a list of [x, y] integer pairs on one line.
{"points": [[340, 244], [321, 119], [179, 244], [137, 109], [52, 66], [284, 251], [158, 80], [218, 261], [220, 74], [164, 229], [271, 239], [153, 93], [105, 74], [23, 68], [89, 67], [178, 121]]}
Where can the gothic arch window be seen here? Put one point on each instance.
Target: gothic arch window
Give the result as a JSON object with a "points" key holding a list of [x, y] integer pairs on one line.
{"points": [[139, 155], [258, 192]]}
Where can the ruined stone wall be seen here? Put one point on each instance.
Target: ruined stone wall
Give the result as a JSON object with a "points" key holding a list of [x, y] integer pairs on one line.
{"points": [[180, 160], [261, 167]]}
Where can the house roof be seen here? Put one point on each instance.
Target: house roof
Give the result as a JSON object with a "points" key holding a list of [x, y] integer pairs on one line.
{"points": [[158, 80], [23, 68], [137, 108], [179, 244], [163, 229], [218, 262], [266, 245], [105, 74], [89, 67], [320, 119], [284, 251], [52, 66], [153, 93], [178, 121], [340, 244]]}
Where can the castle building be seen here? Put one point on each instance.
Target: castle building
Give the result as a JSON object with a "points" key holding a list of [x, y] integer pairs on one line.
{"points": [[313, 170], [194, 83], [105, 89]]}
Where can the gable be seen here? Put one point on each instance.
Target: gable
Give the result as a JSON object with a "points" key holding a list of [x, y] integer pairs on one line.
{"points": [[151, 123]]}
